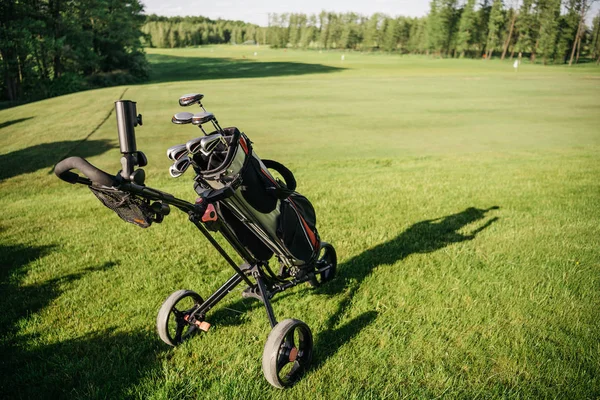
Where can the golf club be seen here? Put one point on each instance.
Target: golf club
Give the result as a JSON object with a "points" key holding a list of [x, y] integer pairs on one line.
{"points": [[179, 167], [202, 118], [193, 146], [208, 143], [182, 118], [176, 152], [190, 99]]}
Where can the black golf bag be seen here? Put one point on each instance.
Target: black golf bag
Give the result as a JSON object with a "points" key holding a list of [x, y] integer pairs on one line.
{"points": [[263, 207]]}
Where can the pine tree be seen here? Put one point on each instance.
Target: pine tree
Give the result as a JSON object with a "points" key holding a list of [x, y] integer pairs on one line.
{"points": [[495, 23], [466, 27], [323, 29], [390, 41], [434, 36], [596, 38], [513, 18], [549, 13], [371, 38], [567, 27], [584, 6], [528, 28], [481, 26], [448, 20]]}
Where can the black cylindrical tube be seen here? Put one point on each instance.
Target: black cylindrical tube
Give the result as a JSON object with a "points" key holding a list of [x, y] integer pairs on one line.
{"points": [[126, 122]]}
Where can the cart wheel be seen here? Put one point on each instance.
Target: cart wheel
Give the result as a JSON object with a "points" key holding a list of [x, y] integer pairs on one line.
{"points": [[175, 322], [287, 353], [328, 257]]}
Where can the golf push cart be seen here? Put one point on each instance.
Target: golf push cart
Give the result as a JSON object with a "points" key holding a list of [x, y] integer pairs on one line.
{"points": [[259, 215]]}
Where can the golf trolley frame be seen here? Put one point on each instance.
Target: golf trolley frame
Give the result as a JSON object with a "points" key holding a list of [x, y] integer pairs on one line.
{"points": [[288, 350]]}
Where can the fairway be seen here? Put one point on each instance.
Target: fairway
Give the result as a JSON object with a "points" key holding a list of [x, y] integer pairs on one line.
{"points": [[462, 196]]}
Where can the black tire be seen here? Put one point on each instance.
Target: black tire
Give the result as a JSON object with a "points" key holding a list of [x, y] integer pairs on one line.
{"points": [[328, 258], [172, 320], [287, 353]]}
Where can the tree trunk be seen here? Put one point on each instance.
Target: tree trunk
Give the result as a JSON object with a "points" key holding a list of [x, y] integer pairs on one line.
{"points": [[578, 32], [574, 44], [512, 53], [11, 73], [578, 49], [534, 50], [512, 25], [462, 54]]}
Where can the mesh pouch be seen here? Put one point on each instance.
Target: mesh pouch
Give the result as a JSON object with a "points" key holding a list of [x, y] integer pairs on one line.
{"points": [[130, 208]]}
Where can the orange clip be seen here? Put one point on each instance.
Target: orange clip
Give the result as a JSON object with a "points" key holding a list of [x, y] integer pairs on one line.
{"points": [[210, 214], [203, 326]]}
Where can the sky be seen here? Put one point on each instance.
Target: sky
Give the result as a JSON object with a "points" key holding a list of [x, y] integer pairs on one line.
{"points": [[257, 12]]}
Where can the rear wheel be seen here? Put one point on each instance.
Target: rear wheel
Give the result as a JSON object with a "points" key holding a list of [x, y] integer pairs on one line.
{"points": [[176, 321], [326, 262], [287, 353]]}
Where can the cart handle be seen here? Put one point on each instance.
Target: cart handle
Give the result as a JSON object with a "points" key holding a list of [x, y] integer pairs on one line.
{"points": [[93, 174]]}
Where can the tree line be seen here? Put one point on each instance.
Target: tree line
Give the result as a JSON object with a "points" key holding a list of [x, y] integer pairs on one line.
{"points": [[52, 47], [553, 31], [171, 32]]}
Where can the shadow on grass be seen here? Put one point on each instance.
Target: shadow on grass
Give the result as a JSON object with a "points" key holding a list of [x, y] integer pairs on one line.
{"points": [[423, 237], [14, 121], [100, 365], [109, 365], [46, 155], [167, 68]]}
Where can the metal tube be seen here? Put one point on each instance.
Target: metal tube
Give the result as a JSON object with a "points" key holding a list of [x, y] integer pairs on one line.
{"points": [[265, 297], [219, 294], [126, 122], [217, 246]]}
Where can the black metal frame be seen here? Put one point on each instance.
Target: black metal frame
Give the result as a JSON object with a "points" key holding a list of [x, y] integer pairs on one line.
{"points": [[265, 287]]}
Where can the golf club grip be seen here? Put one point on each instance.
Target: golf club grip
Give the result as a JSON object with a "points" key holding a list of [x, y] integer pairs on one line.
{"points": [[63, 171]]}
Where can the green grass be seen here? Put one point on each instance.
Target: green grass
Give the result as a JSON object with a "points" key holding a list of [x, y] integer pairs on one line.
{"points": [[462, 197]]}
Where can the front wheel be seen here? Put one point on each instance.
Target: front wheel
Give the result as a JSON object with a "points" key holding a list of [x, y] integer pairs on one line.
{"points": [[176, 320], [287, 353]]}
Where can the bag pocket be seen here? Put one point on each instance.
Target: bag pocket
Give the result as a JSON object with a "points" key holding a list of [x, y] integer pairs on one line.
{"points": [[296, 227], [258, 190]]}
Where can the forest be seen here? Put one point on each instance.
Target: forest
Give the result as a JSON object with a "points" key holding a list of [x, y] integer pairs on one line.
{"points": [[548, 31], [54, 47]]}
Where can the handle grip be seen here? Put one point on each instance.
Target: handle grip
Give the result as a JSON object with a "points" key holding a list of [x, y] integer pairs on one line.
{"points": [[93, 174]]}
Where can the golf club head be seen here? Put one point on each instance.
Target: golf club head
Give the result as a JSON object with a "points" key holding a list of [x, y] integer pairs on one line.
{"points": [[174, 172], [193, 146], [202, 118], [177, 152], [179, 167], [208, 143], [182, 118], [190, 99]]}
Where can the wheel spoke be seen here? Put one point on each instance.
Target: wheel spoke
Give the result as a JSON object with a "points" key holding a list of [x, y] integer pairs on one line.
{"points": [[289, 340], [282, 359], [179, 331], [190, 331]]}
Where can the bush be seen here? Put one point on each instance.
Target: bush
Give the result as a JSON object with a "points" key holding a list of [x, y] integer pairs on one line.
{"points": [[68, 82]]}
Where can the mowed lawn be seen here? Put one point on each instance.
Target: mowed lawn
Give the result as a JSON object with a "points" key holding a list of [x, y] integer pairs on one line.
{"points": [[463, 199]]}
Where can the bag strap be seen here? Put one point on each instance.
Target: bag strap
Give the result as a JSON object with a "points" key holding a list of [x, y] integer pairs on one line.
{"points": [[288, 177]]}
